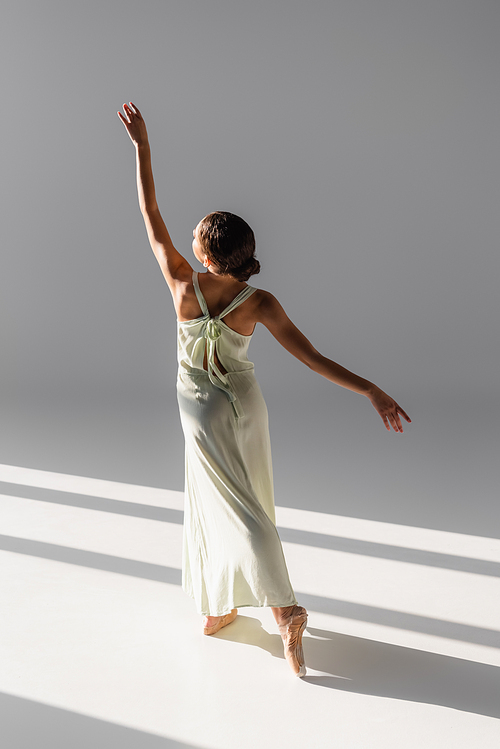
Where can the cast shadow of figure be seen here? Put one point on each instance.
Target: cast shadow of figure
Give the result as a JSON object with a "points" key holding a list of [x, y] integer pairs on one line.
{"points": [[355, 664], [27, 724]]}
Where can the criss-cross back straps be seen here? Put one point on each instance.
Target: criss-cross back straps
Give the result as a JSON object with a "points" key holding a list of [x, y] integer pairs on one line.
{"points": [[212, 332], [239, 299]]}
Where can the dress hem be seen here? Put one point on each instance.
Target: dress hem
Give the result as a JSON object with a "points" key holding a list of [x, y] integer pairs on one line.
{"points": [[245, 605]]}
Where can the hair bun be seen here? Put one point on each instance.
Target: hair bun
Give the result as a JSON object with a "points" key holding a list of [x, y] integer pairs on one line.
{"points": [[249, 268]]}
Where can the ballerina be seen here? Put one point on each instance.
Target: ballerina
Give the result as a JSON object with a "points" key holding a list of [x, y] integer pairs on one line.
{"points": [[232, 554]]}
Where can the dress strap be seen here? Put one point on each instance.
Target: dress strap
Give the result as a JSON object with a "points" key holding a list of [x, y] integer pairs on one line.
{"points": [[239, 299], [199, 295], [242, 296]]}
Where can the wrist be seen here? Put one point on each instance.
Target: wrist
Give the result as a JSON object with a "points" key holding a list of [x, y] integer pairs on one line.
{"points": [[142, 147], [371, 390]]}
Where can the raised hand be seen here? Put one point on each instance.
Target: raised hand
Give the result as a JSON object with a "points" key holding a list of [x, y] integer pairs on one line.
{"points": [[134, 124], [388, 409]]}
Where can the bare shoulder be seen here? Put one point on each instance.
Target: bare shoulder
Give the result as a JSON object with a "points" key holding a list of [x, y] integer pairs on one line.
{"points": [[183, 295], [183, 274], [178, 277], [267, 306]]}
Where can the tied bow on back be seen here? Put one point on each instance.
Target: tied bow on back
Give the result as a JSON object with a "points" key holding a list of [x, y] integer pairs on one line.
{"points": [[212, 333]]}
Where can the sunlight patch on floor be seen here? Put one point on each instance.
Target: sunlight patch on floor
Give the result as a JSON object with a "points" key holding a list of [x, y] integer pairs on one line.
{"points": [[90, 629]]}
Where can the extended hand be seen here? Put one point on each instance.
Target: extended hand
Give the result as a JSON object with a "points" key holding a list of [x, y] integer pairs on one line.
{"points": [[389, 410], [134, 124]]}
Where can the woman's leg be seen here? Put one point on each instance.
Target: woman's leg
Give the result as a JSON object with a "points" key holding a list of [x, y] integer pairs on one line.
{"points": [[291, 621], [282, 613]]}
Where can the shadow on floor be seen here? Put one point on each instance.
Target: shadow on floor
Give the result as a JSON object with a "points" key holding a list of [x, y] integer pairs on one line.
{"points": [[290, 535], [26, 724], [334, 607], [355, 664]]}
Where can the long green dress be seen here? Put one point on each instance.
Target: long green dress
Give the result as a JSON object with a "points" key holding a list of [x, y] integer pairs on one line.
{"points": [[232, 554]]}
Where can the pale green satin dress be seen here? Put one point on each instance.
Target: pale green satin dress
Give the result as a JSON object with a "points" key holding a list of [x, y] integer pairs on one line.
{"points": [[232, 554]]}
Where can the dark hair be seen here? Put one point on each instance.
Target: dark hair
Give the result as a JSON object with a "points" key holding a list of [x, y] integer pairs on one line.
{"points": [[230, 244]]}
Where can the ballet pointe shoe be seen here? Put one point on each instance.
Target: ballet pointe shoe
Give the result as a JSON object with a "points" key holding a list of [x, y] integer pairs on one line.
{"points": [[291, 631], [223, 621]]}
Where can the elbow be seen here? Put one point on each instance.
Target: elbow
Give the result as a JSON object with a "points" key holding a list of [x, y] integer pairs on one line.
{"points": [[312, 359], [148, 208]]}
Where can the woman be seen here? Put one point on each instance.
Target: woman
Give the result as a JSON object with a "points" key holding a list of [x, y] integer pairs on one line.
{"points": [[232, 554]]}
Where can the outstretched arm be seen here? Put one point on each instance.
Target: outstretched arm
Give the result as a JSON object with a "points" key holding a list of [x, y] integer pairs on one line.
{"points": [[272, 315], [173, 265]]}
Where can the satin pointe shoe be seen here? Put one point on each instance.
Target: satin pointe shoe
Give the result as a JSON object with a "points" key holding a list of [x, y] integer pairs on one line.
{"points": [[227, 619], [291, 631]]}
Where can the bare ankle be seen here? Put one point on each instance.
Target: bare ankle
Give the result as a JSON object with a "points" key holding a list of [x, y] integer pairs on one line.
{"points": [[283, 612]]}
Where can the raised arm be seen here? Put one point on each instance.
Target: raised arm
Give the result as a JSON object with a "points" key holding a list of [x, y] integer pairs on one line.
{"points": [[271, 314], [174, 266]]}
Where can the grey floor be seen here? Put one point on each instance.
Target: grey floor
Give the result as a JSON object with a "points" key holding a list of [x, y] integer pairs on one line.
{"points": [[391, 545]]}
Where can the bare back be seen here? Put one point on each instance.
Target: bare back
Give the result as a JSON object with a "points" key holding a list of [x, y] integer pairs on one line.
{"points": [[219, 292]]}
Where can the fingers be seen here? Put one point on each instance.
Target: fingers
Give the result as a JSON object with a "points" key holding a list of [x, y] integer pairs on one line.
{"points": [[386, 422], [132, 111], [135, 109], [392, 419], [397, 426], [134, 124], [130, 114], [404, 414], [122, 118], [127, 119]]}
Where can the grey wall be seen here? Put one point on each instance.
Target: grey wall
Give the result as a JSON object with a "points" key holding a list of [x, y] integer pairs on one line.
{"points": [[358, 138]]}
